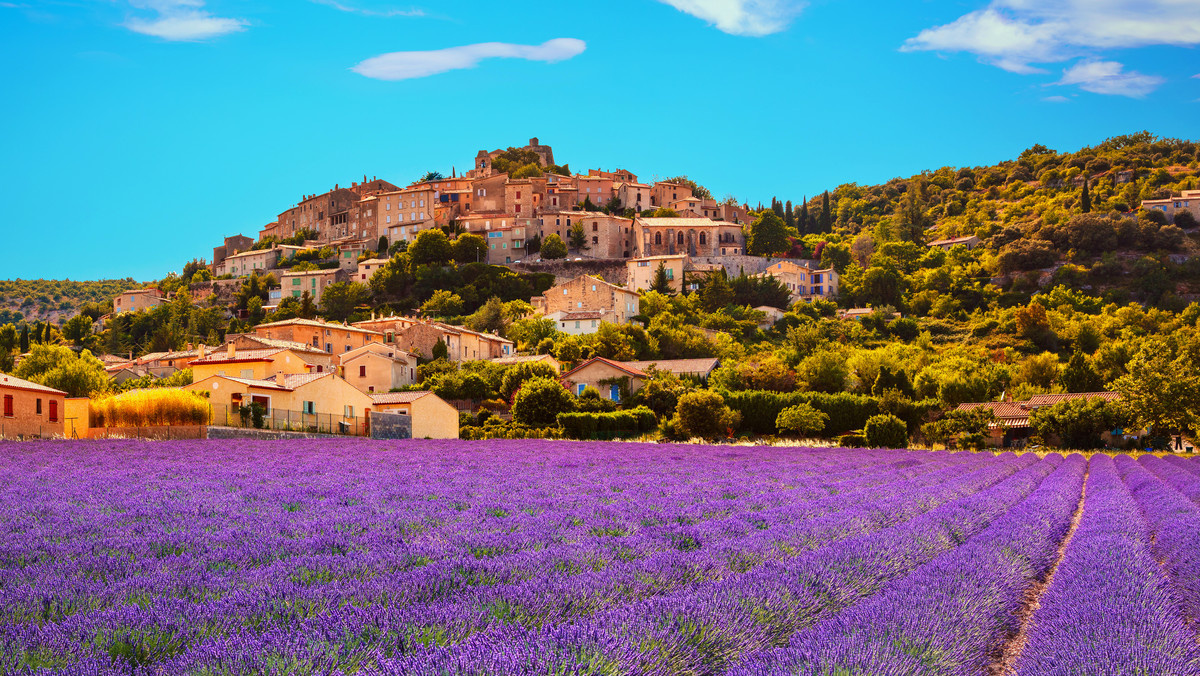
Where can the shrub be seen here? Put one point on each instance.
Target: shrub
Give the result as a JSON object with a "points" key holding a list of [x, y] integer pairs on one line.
{"points": [[802, 419], [553, 247], [852, 440], [703, 414], [1078, 423], [886, 431], [617, 424], [760, 409], [540, 400]]}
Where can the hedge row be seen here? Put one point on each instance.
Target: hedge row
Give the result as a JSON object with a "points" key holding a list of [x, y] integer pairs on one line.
{"points": [[630, 423], [759, 409]]}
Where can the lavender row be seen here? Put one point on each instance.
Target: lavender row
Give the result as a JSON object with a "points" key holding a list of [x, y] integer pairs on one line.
{"points": [[950, 614], [1174, 524], [702, 629], [1110, 605]]}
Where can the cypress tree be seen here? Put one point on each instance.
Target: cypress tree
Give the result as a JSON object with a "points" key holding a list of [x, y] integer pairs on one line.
{"points": [[789, 215], [804, 216], [1086, 198], [24, 338], [777, 207], [826, 218]]}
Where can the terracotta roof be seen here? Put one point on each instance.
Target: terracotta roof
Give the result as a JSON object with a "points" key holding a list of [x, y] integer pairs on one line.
{"points": [[222, 356], [290, 382], [282, 344], [522, 358], [677, 366], [615, 364], [398, 397], [18, 384], [1040, 400], [568, 315], [676, 222], [1008, 414], [312, 322]]}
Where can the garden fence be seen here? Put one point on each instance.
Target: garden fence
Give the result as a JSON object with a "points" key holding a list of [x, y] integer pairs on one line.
{"points": [[282, 420]]}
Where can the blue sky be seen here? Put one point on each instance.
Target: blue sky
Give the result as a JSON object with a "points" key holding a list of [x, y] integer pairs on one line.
{"points": [[138, 133]]}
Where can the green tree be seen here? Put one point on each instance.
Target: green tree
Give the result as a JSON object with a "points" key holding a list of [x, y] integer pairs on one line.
{"points": [[824, 371], [394, 280], [470, 248], [970, 426], [553, 247], [78, 329], [801, 419], [703, 414], [382, 246], [578, 237], [886, 431], [1161, 390], [1079, 375], [443, 303], [1085, 199], [340, 299], [1078, 423], [826, 222], [23, 342], [79, 375], [540, 400], [440, 350], [662, 283], [431, 247], [489, 317], [768, 235], [516, 376], [307, 309]]}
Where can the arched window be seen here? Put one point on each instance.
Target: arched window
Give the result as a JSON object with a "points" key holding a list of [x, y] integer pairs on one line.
{"points": [[703, 239], [679, 238], [658, 238]]}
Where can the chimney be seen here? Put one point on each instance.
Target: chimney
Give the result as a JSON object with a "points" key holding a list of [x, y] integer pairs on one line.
{"points": [[202, 351], [281, 379], [231, 351]]}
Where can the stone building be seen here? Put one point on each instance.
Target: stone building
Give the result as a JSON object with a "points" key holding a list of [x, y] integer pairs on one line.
{"points": [[691, 236], [231, 246], [805, 280], [664, 193], [294, 284], [587, 293], [377, 367], [607, 236], [137, 300], [333, 337], [1188, 200]]}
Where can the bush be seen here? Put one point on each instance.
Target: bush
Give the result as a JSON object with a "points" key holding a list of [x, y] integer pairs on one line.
{"points": [[1078, 423], [760, 409], [802, 419], [703, 414], [540, 400], [617, 424], [553, 247], [852, 441], [886, 431]]}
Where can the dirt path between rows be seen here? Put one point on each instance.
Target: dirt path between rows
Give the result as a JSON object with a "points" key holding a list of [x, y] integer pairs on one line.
{"points": [[1009, 652]]}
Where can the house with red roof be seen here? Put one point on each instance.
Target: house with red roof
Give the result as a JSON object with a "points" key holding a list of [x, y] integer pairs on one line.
{"points": [[30, 410]]}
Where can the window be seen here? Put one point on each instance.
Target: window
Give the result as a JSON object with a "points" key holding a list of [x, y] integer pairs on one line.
{"points": [[247, 373], [8, 406], [614, 392], [362, 371], [349, 411], [658, 238], [308, 407], [670, 273], [595, 226], [38, 407], [579, 389], [53, 411], [576, 323], [703, 239], [679, 238]]}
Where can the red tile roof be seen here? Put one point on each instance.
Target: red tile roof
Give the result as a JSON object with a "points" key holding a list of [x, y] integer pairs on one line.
{"points": [[398, 397], [19, 384]]}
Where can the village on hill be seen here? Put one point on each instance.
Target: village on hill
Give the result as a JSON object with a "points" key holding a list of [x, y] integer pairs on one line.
{"points": [[423, 308]]}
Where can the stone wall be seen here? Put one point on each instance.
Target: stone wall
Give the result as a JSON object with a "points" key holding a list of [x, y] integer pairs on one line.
{"points": [[244, 433], [751, 265], [611, 269], [385, 425]]}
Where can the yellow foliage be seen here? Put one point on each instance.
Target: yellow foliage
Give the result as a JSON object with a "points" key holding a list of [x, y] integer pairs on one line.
{"points": [[150, 407]]}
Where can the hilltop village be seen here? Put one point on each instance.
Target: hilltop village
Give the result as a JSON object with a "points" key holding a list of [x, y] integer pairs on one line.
{"points": [[936, 301]]}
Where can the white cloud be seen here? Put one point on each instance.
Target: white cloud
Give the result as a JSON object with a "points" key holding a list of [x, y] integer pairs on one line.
{"points": [[1056, 99], [181, 20], [753, 18], [1110, 77], [408, 65], [1016, 34], [354, 9]]}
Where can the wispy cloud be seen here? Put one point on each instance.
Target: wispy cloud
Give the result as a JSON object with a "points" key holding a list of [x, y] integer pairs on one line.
{"points": [[753, 18], [1056, 99], [181, 21], [1017, 34], [1110, 77], [366, 11], [408, 65]]}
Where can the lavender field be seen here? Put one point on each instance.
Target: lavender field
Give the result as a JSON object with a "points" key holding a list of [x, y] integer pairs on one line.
{"points": [[533, 557]]}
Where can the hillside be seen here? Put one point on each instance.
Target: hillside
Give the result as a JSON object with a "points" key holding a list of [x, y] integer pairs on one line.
{"points": [[52, 300]]}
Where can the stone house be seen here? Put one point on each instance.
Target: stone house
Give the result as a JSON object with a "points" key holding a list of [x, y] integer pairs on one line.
{"points": [[633, 195], [137, 300], [257, 364], [432, 417], [663, 236], [1188, 200], [378, 368], [607, 236], [232, 245], [664, 193], [587, 293], [332, 337], [294, 284], [29, 409], [581, 322], [612, 378], [291, 401], [803, 282], [640, 272]]}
